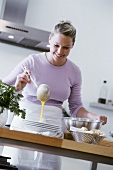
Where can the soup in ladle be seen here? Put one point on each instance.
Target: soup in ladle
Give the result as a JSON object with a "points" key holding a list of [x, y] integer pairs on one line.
{"points": [[43, 94]]}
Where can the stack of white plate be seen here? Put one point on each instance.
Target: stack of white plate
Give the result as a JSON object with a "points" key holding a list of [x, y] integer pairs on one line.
{"points": [[40, 126]]}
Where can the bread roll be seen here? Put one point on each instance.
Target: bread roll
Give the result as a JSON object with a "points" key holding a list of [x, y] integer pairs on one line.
{"points": [[84, 129]]}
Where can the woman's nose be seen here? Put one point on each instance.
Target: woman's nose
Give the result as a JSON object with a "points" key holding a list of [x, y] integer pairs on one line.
{"points": [[60, 50]]}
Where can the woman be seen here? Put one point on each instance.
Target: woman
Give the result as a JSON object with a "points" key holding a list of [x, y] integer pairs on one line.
{"points": [[64, 79]]}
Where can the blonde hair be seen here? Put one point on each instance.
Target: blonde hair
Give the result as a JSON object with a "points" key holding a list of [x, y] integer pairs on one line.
{"points": [[66, 28]]}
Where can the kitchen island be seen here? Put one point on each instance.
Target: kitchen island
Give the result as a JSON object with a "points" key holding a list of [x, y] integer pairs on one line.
{"points": [[101, 153]]}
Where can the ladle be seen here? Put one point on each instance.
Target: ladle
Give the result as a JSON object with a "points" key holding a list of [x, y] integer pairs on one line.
{"points": [[43, 90], [43, 93]]}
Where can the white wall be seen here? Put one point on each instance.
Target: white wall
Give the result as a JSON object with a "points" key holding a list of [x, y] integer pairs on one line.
{"points": [[93, 50], [10, 56]]}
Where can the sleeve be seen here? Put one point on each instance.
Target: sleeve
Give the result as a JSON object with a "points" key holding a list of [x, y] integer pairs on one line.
{"points": [[75, 102]]}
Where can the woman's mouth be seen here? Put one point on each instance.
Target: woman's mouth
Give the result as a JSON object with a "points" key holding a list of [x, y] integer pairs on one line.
{"points": [[59, 56]]}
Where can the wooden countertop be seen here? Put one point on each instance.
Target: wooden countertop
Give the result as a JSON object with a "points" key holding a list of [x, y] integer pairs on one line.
{"points": [[57, 146]]}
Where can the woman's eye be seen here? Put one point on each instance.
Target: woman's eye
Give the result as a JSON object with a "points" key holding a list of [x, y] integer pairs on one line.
{"points": [[56, 45], [66, 47]]}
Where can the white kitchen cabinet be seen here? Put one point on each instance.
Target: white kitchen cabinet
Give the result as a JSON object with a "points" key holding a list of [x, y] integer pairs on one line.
{"points": [[101, 106]]}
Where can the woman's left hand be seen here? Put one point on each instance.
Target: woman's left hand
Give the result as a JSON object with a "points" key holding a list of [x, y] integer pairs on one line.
{"points": [[104, 119]]}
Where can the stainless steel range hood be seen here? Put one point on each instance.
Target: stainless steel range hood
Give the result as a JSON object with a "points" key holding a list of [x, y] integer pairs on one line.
{"points": [[12, 25]]}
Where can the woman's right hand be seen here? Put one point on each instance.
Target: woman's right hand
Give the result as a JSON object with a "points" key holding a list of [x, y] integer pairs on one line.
{"points": [[22, 80]]}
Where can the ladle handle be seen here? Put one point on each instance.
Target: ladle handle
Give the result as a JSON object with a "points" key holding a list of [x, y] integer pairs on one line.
{"points": [[31, 77]]}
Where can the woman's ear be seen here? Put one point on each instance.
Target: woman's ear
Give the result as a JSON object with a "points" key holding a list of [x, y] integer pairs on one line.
{"points": [[72, 46]]}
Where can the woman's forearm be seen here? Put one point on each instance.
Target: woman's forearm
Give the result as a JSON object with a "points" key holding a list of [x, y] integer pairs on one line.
{"points": [[83, 113]]}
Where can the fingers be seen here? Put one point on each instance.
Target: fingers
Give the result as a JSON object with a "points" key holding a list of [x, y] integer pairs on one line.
{"points": [[27, 72], [24, 77], [22, 80], [104, 119]]}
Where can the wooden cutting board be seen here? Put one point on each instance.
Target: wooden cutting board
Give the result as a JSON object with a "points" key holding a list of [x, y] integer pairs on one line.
{"points": [[105, 148]]}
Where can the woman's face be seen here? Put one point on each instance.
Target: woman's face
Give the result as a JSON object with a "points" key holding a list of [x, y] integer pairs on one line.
{"points": [[60, 46]]}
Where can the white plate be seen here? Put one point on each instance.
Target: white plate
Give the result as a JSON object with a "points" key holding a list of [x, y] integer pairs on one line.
{"points": [[40, 126]]}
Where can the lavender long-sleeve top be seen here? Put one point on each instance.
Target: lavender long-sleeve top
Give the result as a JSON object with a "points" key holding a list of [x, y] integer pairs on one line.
{"points": [[64, 81]]}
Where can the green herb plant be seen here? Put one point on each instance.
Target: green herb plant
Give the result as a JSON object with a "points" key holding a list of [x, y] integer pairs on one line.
{"points": [[10, 100]]}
